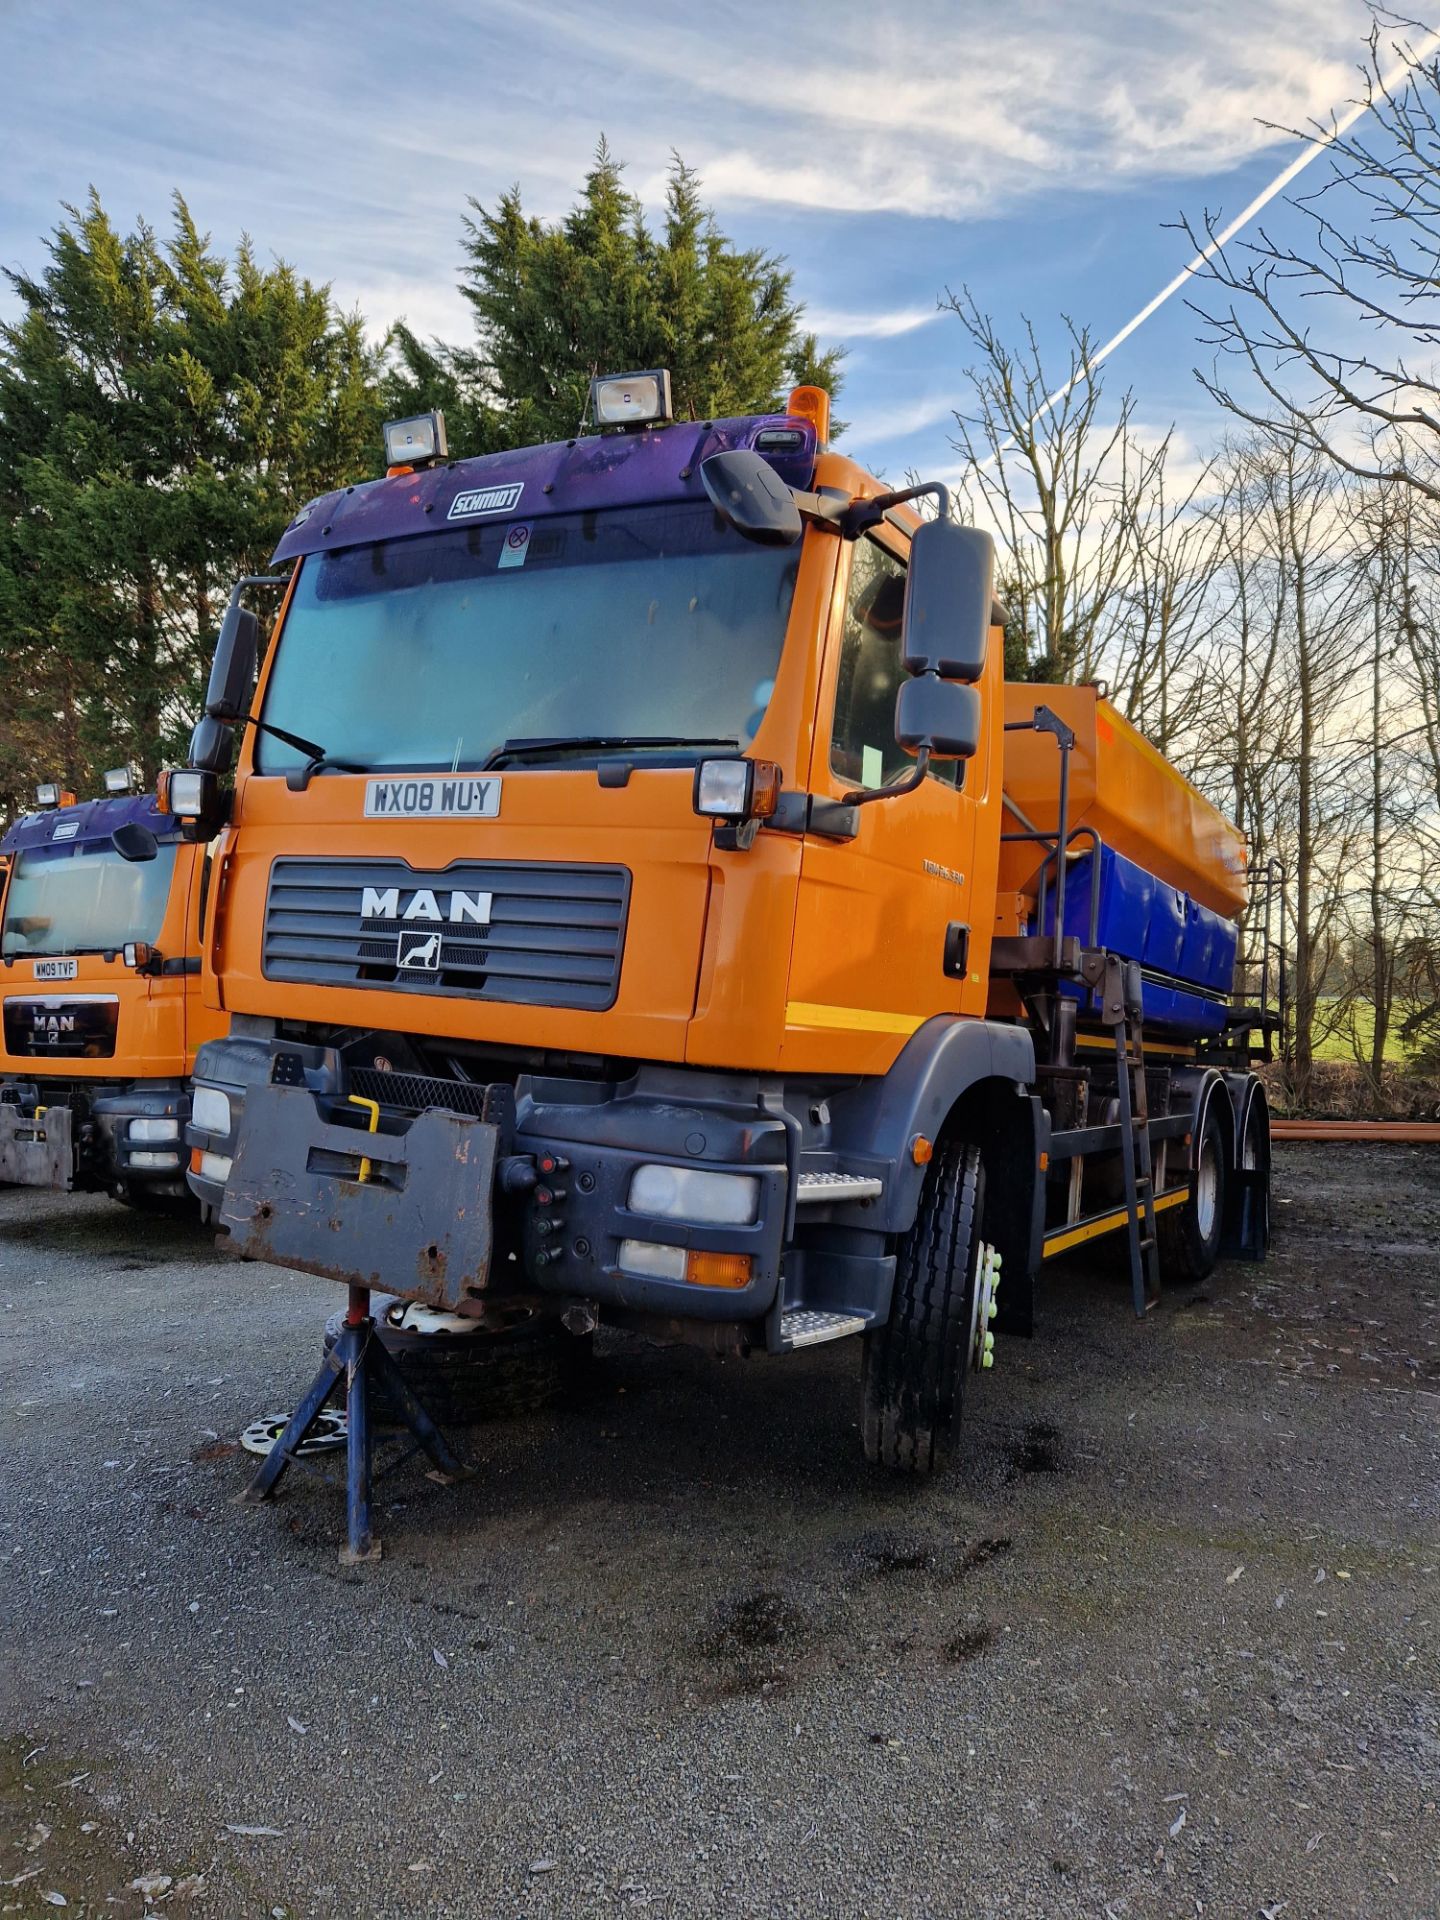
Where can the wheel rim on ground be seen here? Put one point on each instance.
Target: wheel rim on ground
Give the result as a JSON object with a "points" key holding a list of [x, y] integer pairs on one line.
{"points": [[1207, 1187]]}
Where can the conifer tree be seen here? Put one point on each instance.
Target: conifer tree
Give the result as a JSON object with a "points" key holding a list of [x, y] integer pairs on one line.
{"points": [[599, 292], [162, 415]]}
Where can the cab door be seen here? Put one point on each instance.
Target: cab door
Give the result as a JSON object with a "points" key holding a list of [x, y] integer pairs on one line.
{"points": [[883, 935], [202, 1022]]}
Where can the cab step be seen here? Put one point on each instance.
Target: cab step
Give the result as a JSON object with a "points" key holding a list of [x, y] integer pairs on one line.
{"points": [[830, 1189], [808, 1327]]}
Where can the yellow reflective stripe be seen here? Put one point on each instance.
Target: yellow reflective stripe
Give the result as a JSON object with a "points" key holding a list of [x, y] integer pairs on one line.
{"points": [[1108, 1222], [812, 1013], [1150, 1046]]}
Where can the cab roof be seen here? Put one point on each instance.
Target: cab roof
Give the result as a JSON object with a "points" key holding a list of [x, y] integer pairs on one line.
{"points": [[622, 469], [89, 824]]}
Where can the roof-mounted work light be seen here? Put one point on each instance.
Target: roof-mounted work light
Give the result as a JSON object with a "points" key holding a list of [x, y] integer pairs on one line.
{"points": [[631, 399], [416, 442], [47, 795], [119, 780]]}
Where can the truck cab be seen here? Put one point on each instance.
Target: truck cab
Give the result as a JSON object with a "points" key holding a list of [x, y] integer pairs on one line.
{"points": [[99, 995], [604, 907]]}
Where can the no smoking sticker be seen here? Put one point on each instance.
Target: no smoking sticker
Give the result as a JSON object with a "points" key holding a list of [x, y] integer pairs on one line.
{"points": [[517, 545]]}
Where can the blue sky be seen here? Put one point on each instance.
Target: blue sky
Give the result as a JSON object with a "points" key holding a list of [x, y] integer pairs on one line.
{"points": [[1036, 152]]}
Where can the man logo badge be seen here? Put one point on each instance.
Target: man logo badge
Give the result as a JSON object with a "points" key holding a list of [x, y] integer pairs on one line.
{"points": [[478, 500], [418, 951]]}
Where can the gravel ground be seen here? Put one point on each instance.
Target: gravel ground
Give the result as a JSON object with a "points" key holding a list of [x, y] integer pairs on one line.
{"points": [[1164, 1643]]}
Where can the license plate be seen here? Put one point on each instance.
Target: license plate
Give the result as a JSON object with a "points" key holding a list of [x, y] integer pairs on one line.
{"points": [[457, 796], [56, 969]]}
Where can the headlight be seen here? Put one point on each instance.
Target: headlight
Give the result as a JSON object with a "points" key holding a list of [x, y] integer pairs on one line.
{"points": [[155, 1160], [214, 1166], [210, 1110], [688, 1193], [164, 1127]]}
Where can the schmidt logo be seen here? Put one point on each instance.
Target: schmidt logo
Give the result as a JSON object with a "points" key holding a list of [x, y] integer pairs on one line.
{"points": [[486, 500]]}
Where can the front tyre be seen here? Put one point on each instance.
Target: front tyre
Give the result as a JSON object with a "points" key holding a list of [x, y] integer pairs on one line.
{"points": [[913, 1372]]}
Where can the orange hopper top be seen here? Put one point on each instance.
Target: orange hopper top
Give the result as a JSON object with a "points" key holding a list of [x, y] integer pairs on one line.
{"points": [[1122, 787]]}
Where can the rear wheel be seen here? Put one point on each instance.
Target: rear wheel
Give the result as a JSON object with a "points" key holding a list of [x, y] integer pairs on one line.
{"points": [[1251, 1227], [1190, 1234], [466, 1370], [913, 1373]]}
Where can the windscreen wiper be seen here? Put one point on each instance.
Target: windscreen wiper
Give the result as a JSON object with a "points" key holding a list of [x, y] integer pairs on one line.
{"points": [[519, 749], [298, 778]]}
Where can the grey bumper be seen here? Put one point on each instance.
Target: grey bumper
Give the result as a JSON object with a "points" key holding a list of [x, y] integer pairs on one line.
{"points": [[444, 1205], [82, 1137]]}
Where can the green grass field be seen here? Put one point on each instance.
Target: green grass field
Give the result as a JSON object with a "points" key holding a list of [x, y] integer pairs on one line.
{"points": [[1360, 1018]]}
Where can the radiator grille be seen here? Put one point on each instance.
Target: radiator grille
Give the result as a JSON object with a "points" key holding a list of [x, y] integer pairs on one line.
{"points": [[59, 1027], [545, 935], [417, 1091]]}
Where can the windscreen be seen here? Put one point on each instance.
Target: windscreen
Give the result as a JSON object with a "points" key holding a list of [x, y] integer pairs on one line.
{"points": [[78, 899], [431, 653]]}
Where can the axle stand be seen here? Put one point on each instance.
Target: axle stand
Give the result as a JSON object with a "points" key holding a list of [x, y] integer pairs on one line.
{"points": [[356, 1357]]}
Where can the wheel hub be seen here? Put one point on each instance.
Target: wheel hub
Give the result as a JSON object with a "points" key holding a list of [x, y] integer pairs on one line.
{"points": [[984, 1309], [326, 1436], [1207, 1182]]}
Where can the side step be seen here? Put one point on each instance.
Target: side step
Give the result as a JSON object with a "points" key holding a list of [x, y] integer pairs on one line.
{"points": [[804, 1327], [812, 1189]]}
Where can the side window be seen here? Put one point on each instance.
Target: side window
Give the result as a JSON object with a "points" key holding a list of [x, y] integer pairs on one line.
{"points": [[862, 739]]}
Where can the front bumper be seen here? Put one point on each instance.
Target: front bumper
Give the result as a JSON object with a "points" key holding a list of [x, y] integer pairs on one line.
{"points": [[442, 1205], [82, 1136]]}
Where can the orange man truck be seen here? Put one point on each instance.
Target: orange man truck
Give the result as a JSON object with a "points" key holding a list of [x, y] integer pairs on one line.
{"points": [[641, 897], [100, 982]]}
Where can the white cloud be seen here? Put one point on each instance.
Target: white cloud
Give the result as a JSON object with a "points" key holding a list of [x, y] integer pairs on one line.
{"points": [[869, 326], [963, 109], [900, 421]]}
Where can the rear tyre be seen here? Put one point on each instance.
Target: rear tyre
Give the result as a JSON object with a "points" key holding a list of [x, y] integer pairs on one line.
{"points": [[1250, 1226], [462, 1378], [913, 1372], [1190, 1234]]}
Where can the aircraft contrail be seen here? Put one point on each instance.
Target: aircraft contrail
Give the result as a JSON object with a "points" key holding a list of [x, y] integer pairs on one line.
{"points": [[1312, 151]]}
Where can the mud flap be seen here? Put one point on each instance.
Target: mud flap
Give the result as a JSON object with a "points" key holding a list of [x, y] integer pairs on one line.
{"points": [[1247, 1227], [418, 1224], [38, 1152]]}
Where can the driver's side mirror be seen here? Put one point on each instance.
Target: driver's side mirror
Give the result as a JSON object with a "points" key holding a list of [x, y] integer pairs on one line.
{"points": [[227, 698], [949, 591], [232, 676], [134, 842]]}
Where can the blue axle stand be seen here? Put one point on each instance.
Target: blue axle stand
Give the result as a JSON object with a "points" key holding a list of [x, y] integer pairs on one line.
{"points": [[356, 1356]]}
